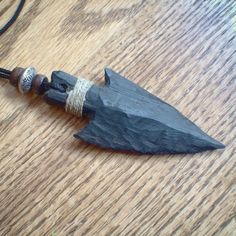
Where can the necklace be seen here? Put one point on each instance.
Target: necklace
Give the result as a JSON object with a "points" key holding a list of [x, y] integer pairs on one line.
{"points": [[123, 116]]}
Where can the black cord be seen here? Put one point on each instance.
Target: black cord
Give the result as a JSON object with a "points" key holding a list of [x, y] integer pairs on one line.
{"points": [[13, 18], [4, 73]]}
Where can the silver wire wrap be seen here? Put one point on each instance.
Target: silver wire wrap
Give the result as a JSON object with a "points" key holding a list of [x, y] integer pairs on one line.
{"points": [[76, 97]]}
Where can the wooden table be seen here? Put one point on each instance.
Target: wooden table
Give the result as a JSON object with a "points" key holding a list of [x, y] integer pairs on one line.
{"points": [[182, 51]]}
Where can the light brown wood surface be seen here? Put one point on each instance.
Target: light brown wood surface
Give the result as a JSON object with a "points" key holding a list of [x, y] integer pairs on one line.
{"points": [[182, 51]]}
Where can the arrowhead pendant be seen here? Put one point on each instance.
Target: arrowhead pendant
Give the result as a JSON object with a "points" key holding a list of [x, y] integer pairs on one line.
{"points": [[126, 117], [123, 116]]}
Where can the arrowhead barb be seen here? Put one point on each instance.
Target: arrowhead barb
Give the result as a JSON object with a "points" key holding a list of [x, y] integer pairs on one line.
{"points": [[127, 117]]}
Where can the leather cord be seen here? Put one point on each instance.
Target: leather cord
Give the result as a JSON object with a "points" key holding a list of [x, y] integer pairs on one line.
{"points": [[3, 72], [13, 18]]}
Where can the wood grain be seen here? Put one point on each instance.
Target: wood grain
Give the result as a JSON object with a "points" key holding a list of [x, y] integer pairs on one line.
{"points": [[182, 51]]}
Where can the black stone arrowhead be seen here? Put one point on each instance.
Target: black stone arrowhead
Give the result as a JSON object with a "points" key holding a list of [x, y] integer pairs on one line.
{"points": [[127, 117]]}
